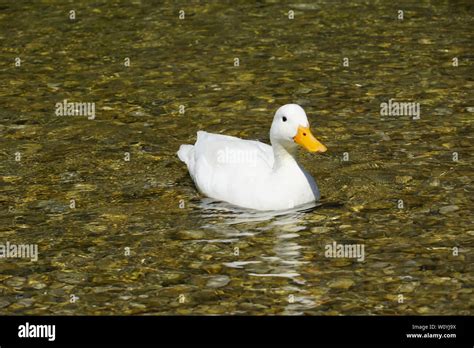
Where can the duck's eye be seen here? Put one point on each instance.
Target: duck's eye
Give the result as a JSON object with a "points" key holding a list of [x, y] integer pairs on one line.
{"points": [[284, 119]]}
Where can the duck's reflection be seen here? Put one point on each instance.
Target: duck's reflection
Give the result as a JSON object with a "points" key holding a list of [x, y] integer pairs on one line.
{"points": [[283, 229]]}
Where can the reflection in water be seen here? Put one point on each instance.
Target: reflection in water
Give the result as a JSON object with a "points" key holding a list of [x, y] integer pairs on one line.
{"points": [[211, 207], [282, 228]]}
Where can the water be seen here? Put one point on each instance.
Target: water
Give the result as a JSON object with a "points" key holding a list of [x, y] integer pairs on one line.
{"points": [[141, 240]]}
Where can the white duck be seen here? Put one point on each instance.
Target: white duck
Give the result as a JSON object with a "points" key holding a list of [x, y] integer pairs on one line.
{"points": [[252, 174]]}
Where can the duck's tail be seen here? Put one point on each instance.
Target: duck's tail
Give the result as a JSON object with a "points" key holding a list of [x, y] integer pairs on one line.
{"points": [[185, 153]]}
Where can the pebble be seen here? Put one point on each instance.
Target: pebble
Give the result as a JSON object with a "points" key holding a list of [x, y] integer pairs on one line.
{"points": [[403, 179], [435, 182], [15, 282], [210, 248], [252, 306], [317, 217], [423, 310], [303, 90], [408, 287], [38, 286], [448, 209], [442, 111], [68, 177], [191, 235], [344, 283], [345, 227], [26, 302], [4, 302], [215, 268], [310, 6], [172, 277], [380, 264], [218, 281], [384, 136], [320, 229]]}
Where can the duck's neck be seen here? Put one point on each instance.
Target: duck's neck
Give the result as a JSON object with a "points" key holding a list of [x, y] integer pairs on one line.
{"points": [[283, 157]]}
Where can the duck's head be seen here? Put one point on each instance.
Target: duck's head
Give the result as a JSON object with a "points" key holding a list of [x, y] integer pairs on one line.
{"points": [[291, 127]]}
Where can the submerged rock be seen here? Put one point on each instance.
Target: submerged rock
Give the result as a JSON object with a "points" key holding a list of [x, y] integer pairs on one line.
{"points": [[4, 302], [218, 281], [191, 234], [448, 209], [403, 179], [344, 283]]}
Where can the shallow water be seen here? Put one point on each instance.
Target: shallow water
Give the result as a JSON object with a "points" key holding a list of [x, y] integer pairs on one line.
{"points": [[192, 255]]}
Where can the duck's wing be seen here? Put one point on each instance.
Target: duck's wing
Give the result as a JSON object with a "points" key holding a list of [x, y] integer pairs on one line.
{"points": [[217, 160], [225, 150]]}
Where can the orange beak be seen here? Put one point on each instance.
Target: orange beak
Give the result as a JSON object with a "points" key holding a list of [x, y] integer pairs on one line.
{"points": [[308, 141]]}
